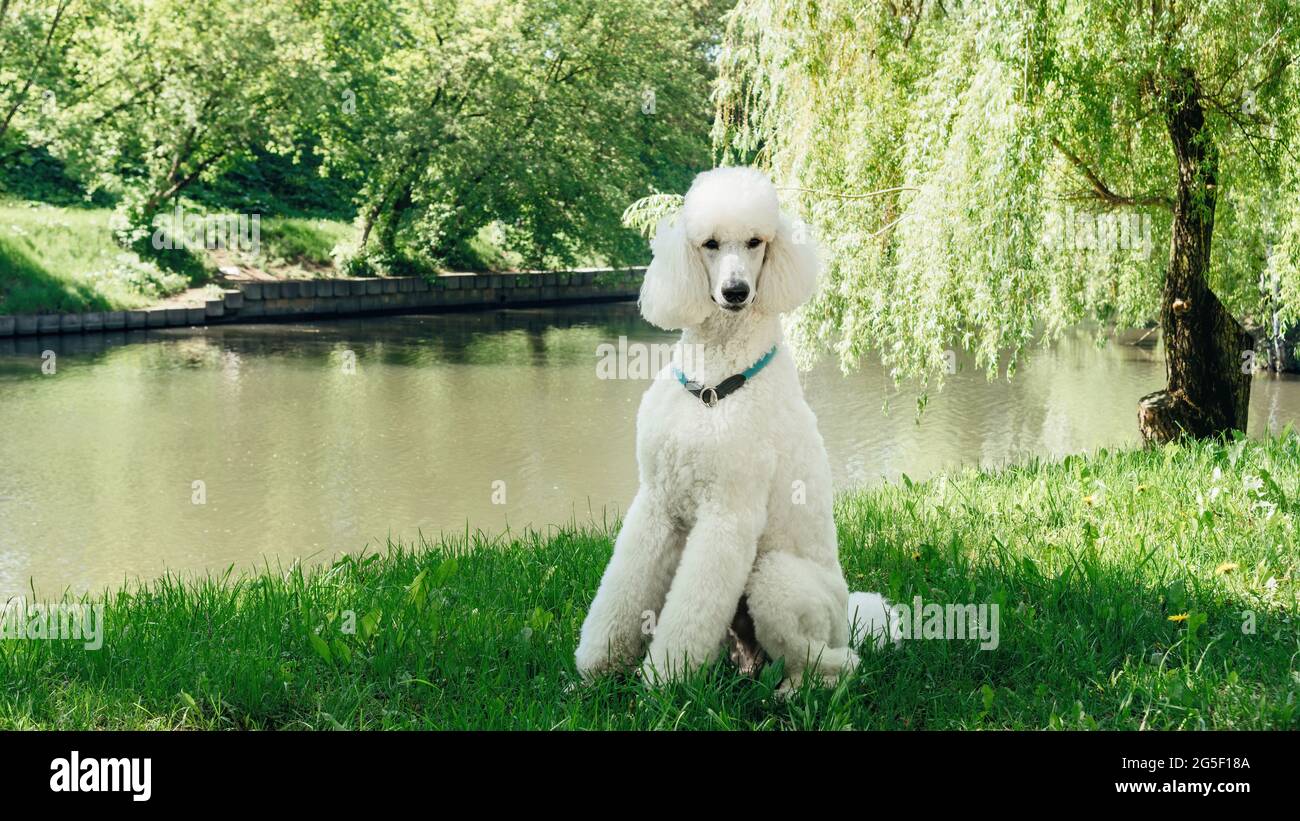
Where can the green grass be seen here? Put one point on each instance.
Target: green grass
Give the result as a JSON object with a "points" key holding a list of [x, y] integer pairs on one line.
{"points": [[304, 240], [298, 247], [487, 250], [1088, 559], [57, 259], [64, 259]]}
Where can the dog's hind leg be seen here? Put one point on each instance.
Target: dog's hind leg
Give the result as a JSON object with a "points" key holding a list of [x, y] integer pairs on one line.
{"points": [[632, 591], [799, 609]]}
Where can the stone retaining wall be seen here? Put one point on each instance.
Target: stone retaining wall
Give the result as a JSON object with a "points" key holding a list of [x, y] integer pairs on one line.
{"points": [[306, 299]]}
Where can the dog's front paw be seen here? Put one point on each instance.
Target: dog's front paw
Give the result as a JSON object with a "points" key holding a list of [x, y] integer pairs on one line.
{"points": [[662, 667], [592, 664], [594, 659], [605, 646], [789, 686], [654, 674]]}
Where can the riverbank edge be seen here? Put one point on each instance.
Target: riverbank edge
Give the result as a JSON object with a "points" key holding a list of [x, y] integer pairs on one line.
{"points": [[349, 297]]}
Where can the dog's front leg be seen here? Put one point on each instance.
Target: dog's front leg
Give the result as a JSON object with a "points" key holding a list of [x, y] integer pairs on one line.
{"points": [[632, 590], [705, 591]]}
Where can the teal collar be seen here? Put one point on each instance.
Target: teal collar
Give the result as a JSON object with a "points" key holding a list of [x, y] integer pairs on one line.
{"points": [[711, 396]]}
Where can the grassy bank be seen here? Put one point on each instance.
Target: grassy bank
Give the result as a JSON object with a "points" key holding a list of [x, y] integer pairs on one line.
{"points": [[1122, 580], [60, 258], [64, 259]]}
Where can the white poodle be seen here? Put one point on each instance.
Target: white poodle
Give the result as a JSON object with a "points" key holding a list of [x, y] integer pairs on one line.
{"points": [[735, 488]]}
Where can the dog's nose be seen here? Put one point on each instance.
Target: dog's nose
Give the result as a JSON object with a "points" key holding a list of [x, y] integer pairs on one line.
{"points": [[735, 292]]}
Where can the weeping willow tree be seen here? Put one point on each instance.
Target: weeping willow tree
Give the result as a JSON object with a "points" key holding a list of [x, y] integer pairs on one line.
{"points": [[983, 173]]}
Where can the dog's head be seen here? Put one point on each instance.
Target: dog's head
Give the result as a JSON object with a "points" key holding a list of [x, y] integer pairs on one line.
{"points": [[730, 249]]}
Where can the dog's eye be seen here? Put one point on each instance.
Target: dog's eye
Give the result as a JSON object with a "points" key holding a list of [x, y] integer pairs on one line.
{"points": [[711, 244], [754, 243]]}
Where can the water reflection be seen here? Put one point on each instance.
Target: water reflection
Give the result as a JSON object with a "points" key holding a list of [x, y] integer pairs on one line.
{"points": [[300, 458]]}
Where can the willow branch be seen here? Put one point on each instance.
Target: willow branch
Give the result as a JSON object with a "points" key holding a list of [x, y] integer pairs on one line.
{"points": [[867, 195], [1103, 192]]}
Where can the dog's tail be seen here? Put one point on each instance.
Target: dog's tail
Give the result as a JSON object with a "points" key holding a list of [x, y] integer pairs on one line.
{"points": [[870, 618]]}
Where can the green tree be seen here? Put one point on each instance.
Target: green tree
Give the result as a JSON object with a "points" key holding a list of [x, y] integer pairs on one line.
{"points": [[167, 92], [942, 146], [544, 117], [33, 36]]}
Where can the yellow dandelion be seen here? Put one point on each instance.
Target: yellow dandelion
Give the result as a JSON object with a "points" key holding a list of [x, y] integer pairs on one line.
{"points": [[1179, 617], [1226, 567], [1089, 500], [916, 557], [1141, 488]]}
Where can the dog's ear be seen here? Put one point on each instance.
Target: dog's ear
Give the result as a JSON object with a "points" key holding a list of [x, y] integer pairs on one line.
{"points": [[790, 269], [675, 293]]}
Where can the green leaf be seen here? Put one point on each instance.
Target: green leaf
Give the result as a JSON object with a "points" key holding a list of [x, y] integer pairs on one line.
{"points": [[445, 570], [341, 651], [415, 590], [370, 623], [1176, 594], [322, 649], [540, 619]]}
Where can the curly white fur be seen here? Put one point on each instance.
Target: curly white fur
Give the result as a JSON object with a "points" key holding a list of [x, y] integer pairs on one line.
{"points": [[733, 499]]}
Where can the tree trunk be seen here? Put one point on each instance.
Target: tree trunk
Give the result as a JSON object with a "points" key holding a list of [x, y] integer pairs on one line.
{"points": [[376, 212], [390, 223], [1206, 359]]}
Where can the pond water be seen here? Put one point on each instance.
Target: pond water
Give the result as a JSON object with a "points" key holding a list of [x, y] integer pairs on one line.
{"points": [[478, 420]]}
